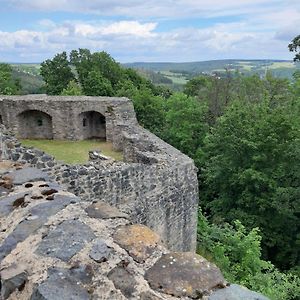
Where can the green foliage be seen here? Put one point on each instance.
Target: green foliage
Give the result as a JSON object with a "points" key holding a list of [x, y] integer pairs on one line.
{"points": [[98, 74], [150, 110], [107, 66], [219, 92], [275, 284], [97, 85], [8, 85], [197, 86], [56, 73], [295, 88], [72, 89], [237, 252], [252, 174], [294, 46], [163, 91], [126, 88], [98, 64], [185, 125]]}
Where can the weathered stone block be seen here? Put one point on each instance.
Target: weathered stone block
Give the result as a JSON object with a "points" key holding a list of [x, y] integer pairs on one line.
{"points": [[102, 210], [61, 284], [28, 226], [123, 281], [67, 239], [12, 278], [99, 252], [184, 274], [27, 174], [138, 240]]}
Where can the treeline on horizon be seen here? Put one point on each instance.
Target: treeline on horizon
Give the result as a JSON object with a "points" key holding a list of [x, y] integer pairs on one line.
{"points": [[243, 133]]}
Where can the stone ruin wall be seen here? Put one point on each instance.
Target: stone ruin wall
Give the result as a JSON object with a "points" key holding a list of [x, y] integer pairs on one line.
{"points": [[66, 114], [156, 184]]}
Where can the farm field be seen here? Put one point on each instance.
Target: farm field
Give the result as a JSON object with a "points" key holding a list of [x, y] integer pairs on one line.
{"points": [[177, 78]]}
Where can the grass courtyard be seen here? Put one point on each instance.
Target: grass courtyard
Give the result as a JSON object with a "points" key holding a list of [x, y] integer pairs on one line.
{"points": [[73, 152]]}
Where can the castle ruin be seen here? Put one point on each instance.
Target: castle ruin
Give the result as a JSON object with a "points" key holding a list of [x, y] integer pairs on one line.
{"points": [[155, 183], [78, 231]]}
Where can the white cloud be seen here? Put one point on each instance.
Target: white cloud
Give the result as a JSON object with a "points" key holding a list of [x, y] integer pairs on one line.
{"points": [[262, 29], [133, 28], [132, 40]]}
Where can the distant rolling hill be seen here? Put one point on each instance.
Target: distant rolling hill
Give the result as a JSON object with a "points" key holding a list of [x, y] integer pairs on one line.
{"points": [[173, 75], [29, 76], [179, 73], [253, 66]]}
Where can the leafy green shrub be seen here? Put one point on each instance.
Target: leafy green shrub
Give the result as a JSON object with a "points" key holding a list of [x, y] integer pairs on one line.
{"points": [[237, 252]]}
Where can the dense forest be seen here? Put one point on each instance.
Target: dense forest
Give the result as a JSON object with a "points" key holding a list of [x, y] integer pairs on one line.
{"points": [[243, 133]]}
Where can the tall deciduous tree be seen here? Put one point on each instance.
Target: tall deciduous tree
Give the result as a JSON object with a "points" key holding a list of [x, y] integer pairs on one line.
{"points": [[102, 63], [57, 73], [294, 46]]}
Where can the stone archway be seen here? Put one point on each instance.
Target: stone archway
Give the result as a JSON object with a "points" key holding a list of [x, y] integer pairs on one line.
{"points": [[34, 124], [92, 125]]}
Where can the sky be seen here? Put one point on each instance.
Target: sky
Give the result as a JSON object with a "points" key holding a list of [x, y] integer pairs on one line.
{"points": [[149, 30]]}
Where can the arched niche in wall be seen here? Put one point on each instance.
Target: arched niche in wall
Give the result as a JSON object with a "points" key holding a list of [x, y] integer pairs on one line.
{"points": [[35, 124], [1, 120], [92, 125]]}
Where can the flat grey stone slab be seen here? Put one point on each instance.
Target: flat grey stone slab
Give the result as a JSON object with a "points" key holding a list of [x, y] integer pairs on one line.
{"points": [[8, 203], [12, 278], [236, 292], [99, 252], [123, 281], [27, 174], [102, 210], [67, 239], [63, 284], [3, 191], [39, 216]]}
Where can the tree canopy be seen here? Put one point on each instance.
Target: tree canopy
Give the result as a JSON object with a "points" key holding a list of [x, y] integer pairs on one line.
{"points": [[56, 73], [294, 46]]}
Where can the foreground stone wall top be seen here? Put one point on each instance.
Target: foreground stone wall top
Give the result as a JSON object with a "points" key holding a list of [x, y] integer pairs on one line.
{"points": [[56, 246]]}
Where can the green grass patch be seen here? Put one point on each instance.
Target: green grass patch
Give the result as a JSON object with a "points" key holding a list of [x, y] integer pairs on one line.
{"points": [[177, 78], [73, 152], [245, 65]]}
